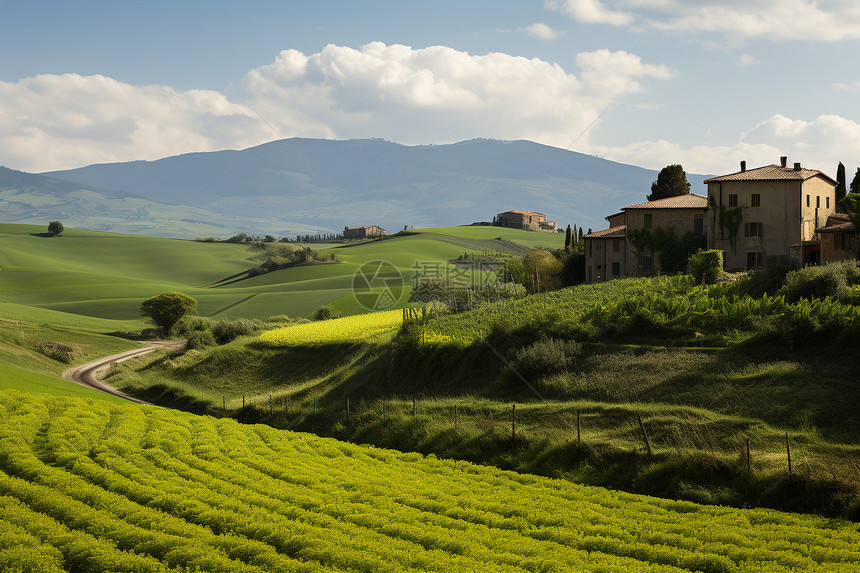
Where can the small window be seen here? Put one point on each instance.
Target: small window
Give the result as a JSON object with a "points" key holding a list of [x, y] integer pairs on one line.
{"points": [[733, 200], [616, 269], [755, 260], [818, 201], [827, 202], [807, 200], [698, 224], [648, 220], [616, 245], [752, 229], [755, 200]]}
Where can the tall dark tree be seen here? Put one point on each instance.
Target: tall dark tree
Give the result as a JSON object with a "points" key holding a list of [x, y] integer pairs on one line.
{"points": [[841, 188], [567, 238], [574, 236], [671, 182], [855, 183], [580, 234]]}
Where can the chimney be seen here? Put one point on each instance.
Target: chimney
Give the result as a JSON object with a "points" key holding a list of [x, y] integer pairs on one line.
{"points": [[797, 166], [743, 166], [784, 160]]}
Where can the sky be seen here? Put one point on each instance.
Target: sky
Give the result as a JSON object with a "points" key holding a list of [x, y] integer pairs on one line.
{"points": [[651, 83]]}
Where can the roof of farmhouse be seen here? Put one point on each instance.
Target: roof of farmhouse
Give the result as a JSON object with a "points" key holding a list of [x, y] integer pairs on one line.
{"points": [[688, 201]]}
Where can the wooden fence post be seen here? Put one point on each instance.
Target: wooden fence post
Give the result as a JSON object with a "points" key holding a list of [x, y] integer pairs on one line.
{"points": [[644, 434], [513, 421], [788, 452]]}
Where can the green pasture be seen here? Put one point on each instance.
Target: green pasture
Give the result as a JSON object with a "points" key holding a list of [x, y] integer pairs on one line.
{"points": [[107, 276]]}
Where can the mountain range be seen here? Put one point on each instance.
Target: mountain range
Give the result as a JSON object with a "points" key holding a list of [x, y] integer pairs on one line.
{"points": [[300, 186]]}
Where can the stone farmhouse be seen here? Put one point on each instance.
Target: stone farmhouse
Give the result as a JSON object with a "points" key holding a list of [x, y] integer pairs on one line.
{"points": [[751, 215], [771, 211], [363, 232], [528, 220]]}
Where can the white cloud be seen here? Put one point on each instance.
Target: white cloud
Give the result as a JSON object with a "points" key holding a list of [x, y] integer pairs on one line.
{"points": [[429, 95], [439, 94], [541, 31], [818, 144], [62, 121], [774, 20], [592, 12], [849, 86], [746, 60]]}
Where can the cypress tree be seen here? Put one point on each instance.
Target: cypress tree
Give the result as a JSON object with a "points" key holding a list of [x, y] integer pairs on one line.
{"points": [[580, 233], [840, 183], [567, 238]]}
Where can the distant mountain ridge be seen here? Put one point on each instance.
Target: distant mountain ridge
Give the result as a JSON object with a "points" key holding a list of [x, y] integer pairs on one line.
{"points": [[295, 184]]}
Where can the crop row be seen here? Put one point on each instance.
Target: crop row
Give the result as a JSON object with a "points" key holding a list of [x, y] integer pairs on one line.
{"points": [[92, 486]]}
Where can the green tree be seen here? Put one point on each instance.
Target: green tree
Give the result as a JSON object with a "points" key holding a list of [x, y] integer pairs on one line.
{"points": [[855, 183], [840, 183], [165, 309], [671, 182], [567, 238], [56, 228]]}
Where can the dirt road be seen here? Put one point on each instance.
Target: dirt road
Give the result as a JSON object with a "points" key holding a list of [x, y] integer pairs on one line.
{"points": [[88, 374]]}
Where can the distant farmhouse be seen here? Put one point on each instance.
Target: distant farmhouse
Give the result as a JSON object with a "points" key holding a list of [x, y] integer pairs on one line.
{"points": [[363, 232], [751, 215], [528, 220]]}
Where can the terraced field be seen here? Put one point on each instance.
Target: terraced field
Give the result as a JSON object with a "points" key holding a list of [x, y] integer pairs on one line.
{"points": [[93, 486]]}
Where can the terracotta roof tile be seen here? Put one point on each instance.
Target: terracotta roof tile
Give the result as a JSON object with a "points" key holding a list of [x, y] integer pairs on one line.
{"points": [[770, 173], [610, 233], [526, 213], [688, 201], [838, 228]]}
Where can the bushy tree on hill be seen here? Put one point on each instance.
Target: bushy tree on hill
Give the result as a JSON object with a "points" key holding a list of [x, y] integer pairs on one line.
{"points": [[671, 182], [56, 228], [165, 309]]}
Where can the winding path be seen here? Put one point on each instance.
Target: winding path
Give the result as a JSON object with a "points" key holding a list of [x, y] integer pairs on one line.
{"points": [[87, 374]]}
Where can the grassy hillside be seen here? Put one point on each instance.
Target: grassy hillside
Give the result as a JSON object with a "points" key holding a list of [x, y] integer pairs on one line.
{"points": [[704, 372], [107, 275], [88, 486]]}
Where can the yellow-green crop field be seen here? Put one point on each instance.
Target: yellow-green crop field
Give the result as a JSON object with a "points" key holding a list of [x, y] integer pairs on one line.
{"points": [[357, 328], [92, 486]]}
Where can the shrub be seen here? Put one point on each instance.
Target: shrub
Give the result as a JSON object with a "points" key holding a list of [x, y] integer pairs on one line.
{"points": [[225, 331], [706, 266], [325, 312], [191, 324], [770, 278], [815, 282], [200, 339], [57, 351], [547, 356]]}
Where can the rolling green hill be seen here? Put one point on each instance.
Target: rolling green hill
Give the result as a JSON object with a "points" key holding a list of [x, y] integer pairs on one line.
{"points": [[107, 275], [76, 288]]}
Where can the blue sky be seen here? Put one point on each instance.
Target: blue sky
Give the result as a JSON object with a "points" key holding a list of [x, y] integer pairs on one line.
{"points": [[648, 82]]}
